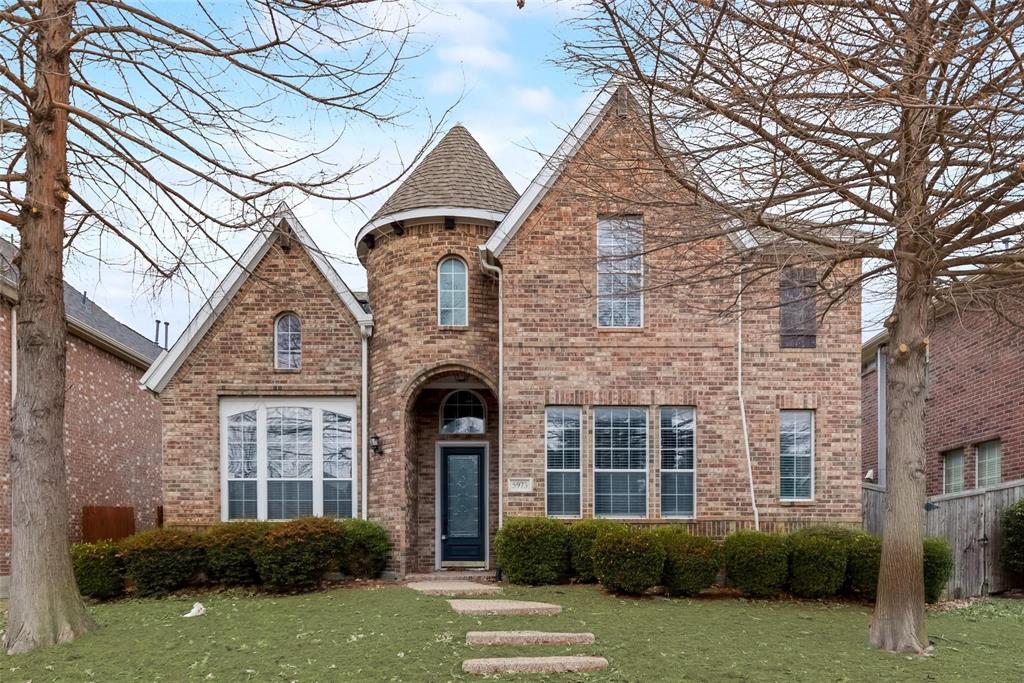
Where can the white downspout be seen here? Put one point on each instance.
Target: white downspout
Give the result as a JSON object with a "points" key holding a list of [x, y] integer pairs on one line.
{"points": [[14, 355], [365, 331], [496, 271], [743, 406]]}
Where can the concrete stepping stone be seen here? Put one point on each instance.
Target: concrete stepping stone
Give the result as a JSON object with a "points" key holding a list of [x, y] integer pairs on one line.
{"points": [[503, 607], [454, 588], [527, 638], [533, 665]]}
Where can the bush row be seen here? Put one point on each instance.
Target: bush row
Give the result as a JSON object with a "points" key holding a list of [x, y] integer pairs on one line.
{"points": [[815, 562], [1013, 537], [284, 556]]}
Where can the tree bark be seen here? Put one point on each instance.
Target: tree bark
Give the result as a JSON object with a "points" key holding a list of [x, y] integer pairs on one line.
{"points": [[45, 607]]}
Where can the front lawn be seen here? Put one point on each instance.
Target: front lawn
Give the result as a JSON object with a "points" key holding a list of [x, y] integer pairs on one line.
{"points": [[395, 634]]}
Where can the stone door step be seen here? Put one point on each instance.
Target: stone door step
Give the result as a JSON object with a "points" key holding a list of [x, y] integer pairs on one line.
{"points": [[533, 665], [454, 588], [527, 638], [454, 575], [503, 607]]}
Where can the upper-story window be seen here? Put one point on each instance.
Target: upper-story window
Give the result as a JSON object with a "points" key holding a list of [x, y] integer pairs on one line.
{"points": [[620, 272], [797, 308], [462, 413], [452, 292], [287, 342]]}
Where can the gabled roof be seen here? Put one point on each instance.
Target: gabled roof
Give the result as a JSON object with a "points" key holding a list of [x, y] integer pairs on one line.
{"points": [[161, 372], [85, 318]]}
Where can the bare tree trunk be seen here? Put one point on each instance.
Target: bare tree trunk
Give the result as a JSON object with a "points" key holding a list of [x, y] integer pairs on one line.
{"points": [[45, 606]]}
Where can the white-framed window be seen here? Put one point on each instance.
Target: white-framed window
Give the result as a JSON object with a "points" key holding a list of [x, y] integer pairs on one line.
{"points": [[562, 452], [283, 458], [620, 272], [287, 342], [678, 462], [989, 463], [452, 293], [620, 462], [953, 471], [796, 455], [463, 412]]}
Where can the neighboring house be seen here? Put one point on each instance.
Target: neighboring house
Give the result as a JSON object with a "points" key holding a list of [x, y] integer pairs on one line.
{"points": [[111, 425], [974, 410], [490, 382]]}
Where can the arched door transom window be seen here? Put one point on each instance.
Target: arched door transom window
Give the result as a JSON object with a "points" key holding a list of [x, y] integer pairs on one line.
{"points": [[462, 413]]}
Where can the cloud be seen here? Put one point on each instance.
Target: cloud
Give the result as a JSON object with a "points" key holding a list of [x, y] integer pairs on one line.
{"points": [[538, 100], [475, 55]]}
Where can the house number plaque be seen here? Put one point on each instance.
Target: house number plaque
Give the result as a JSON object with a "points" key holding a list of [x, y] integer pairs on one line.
{"points": [[520, 485]]}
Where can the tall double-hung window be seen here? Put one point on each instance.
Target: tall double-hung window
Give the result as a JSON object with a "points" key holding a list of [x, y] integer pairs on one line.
{"points": [[287, 458], [796, 455], [620, 462], [562, 451], [620, 271], [989, 467], [678, 462]]}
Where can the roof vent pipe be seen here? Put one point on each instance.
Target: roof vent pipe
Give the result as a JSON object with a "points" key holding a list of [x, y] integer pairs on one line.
{"points": [[156, 335], [167, 327]]}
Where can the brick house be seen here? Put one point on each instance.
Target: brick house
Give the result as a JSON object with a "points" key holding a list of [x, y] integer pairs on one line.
{"points": [[111, 425], [974, 410], [489, 381]]}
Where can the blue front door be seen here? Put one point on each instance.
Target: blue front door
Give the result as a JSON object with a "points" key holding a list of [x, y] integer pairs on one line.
{"points": [[463, 511]]}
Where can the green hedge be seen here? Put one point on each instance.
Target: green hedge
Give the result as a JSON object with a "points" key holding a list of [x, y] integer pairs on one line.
{"points": [[1013, 537], [817, 564], [161, 560], [296, 555], [756, 562], [366, 547], [628, 560], [582, 536], [99, 571], [864, 557], [229, 549], [938, 565], [691, 562], [533, 550]]}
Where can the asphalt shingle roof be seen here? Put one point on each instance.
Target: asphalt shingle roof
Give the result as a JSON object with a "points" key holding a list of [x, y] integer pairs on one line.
{"points": [[456, 173]]}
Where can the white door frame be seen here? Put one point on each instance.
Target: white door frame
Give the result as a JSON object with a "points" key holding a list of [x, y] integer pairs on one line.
{"points": [[437, 500]]}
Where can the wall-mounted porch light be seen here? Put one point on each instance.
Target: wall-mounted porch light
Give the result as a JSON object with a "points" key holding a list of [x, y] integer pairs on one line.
{"points": [[375, 445]]}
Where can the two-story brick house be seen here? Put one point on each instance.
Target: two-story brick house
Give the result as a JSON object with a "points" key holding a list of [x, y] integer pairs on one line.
{"points": [[509, 361]]}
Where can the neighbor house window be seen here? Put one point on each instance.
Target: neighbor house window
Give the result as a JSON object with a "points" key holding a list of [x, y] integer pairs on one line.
{"points": [[562, 449], [462, 412], [620, 462], [797, 308], [989, 463], [287, 458], [953, 471], [796, 455], [287, 342], [452, 292], [620, 272], [678, 462]]}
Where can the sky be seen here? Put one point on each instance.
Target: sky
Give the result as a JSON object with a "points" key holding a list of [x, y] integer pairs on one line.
{"points": [[483, 63]]}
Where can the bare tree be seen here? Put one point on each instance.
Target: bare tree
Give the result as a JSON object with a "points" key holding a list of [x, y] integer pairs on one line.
{"points": [[170, 130], [886, 138]]}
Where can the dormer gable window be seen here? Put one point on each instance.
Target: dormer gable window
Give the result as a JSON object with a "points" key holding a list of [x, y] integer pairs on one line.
{"points": [[287, 342]]}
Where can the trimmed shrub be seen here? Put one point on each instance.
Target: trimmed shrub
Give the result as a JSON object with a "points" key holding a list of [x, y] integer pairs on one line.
{"points": [[756, 562], [99, 571], [1013, 537], [691, 562], [628, 560], [817, 564], [582, 535], [863, 559], [366, 549], [533, 550], [938, 565], [296, 555], [836, 532], [229, 550], [161, 560]]}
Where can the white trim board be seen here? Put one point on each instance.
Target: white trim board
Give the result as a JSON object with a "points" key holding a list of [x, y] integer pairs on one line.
{"points": [[170, 361]]}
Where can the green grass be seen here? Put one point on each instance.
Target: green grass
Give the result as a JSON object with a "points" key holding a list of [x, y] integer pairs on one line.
{"points": [[394, 634]]}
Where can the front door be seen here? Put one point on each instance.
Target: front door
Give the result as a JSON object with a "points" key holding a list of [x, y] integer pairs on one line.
{"points": [[463, 516]]}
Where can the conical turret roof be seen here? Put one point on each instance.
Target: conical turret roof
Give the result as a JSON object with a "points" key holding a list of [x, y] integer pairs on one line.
{"points": [[456, 173]]}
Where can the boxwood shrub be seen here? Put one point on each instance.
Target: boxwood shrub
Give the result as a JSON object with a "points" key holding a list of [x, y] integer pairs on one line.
{"points": [[533, 550], [628, 560], [817, 564], [229, 551], [161, 560], [862, 563], [691, 562], [1013, 537], [99, 571], [582, 536], [756, 562], [938, 565], [366, 547], [296, 555]]}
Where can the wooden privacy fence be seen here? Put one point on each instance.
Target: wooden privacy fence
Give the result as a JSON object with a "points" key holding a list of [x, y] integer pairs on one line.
{"points": [[106, 522], [972, 523]]}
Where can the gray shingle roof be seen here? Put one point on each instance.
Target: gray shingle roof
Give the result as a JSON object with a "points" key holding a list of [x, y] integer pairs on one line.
{"points": [[84, 311], [456, 173]]}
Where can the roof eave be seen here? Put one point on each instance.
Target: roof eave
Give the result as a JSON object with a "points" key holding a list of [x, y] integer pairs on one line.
{"points": [[382, 224]]}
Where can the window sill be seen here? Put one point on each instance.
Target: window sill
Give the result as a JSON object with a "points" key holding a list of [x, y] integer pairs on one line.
{"points": [[618, 330], [453, 328], [797, 503], [287, 371]]}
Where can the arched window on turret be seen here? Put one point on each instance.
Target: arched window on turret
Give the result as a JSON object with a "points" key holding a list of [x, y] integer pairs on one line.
{"points": [[452, 293], [287, 342]]}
